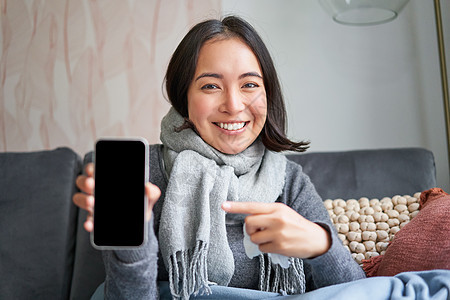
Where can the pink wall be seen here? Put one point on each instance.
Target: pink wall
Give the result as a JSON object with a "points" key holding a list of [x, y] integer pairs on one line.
{"points": [[74, 70]]}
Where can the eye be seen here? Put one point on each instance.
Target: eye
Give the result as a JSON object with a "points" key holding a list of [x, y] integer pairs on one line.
{"points": [[209, 86], [250, 85]]}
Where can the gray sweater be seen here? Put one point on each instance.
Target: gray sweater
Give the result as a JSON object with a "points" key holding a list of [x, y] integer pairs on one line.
{"points": [[133, 274]]}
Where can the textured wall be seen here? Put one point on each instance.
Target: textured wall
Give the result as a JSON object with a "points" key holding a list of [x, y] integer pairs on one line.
{"points": [[350, 87], [74, 70]]}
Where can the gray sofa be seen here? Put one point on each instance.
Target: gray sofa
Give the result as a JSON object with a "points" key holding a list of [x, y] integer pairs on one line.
{"points": [[45, 252]]}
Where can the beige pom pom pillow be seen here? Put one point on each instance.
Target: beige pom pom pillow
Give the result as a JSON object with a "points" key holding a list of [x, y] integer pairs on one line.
{"points": [[366, 226]]}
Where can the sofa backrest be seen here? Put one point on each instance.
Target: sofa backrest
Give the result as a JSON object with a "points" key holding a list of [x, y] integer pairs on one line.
{"points": [[37, 223], [369, 173]]}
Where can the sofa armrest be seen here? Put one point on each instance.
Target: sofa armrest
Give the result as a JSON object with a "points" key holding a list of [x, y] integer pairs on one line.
{"points": [[37, 221]]}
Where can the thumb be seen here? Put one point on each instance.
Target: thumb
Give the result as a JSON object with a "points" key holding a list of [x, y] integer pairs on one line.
{"points": [[153, 193]]}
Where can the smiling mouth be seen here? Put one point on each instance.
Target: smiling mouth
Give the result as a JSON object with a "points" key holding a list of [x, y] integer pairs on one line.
{"points": [[231, 126]]}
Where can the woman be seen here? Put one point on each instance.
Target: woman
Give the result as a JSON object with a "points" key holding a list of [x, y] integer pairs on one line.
{"points": [[217, 168]]}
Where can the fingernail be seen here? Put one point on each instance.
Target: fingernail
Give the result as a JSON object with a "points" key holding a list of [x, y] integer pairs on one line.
{"points": [[90, 168], [226, 205], [90, 182], [90, 200]]}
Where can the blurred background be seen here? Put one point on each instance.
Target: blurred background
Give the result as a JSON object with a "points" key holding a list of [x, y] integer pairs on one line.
{"points": [[75, 70]]}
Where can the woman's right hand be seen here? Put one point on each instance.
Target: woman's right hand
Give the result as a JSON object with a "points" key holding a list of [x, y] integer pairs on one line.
{"points": [[85, 199]]}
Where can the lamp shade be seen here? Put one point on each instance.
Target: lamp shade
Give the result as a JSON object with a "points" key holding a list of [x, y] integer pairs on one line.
{"points": [[363, 12]]}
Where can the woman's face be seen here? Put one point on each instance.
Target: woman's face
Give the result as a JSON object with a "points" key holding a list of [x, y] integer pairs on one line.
{"points": [[227, 99]]}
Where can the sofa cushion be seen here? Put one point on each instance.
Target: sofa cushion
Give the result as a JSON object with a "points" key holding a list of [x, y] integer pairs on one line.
{"points": [[37, 221], [422, 244]]}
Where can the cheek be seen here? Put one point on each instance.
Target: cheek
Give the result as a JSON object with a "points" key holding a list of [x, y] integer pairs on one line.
{"points": [[259, 109], [198, 110]]}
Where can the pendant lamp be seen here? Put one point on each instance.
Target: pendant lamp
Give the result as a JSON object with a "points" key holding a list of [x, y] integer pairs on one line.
{"points": [[363, 12]]}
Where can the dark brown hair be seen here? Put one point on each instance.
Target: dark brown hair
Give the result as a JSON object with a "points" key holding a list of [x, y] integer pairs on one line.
{"points": [[183, 63]]}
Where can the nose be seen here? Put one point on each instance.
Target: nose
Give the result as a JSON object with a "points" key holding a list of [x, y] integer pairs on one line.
{"points": [[233, 102]]}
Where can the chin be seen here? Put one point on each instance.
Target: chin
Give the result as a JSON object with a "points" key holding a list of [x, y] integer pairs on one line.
{"points": [[230, 149]]}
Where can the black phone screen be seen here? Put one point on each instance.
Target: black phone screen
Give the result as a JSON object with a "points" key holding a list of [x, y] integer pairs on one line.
{"points": [[120, 203]]}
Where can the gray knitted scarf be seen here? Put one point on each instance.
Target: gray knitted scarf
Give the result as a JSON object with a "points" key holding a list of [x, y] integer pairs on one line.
{"points": [[192, 236]]}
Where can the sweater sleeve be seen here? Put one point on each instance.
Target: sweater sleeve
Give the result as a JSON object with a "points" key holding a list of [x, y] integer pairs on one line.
{"points": [[336, 265], [132, 274]]}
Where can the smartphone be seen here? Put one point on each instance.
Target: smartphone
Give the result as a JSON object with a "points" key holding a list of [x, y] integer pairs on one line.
{"points": [[121, 171]]}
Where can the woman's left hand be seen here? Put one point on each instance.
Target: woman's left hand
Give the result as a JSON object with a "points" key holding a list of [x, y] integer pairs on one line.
{"points": [[277, 228]]}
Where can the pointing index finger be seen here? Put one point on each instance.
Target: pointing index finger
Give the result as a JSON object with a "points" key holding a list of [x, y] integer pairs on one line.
{"points": [[248, 208]]}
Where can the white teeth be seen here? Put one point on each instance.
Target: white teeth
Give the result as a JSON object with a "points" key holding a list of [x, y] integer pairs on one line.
{"points": [[231, 126]]}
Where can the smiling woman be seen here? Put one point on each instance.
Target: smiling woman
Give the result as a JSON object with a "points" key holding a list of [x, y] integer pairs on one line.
{"points": [[219, 145]]}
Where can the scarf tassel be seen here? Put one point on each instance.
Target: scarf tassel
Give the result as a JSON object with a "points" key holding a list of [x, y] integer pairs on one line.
{"points": [[188, 272], [285, 281]]}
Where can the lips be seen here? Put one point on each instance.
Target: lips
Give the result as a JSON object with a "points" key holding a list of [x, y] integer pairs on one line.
{"points": [[231, 126]]}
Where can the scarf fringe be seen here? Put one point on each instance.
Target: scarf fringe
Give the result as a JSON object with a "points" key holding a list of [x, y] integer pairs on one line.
{"points": [[285, 281], [188, 272]]}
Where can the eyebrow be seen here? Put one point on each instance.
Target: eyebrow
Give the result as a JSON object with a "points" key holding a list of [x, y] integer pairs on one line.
{"points": [[250, 74], [220, 76], [214, 75]]}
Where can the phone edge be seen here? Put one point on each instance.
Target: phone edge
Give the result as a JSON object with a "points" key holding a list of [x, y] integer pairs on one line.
{"points": [[146, 178]]}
